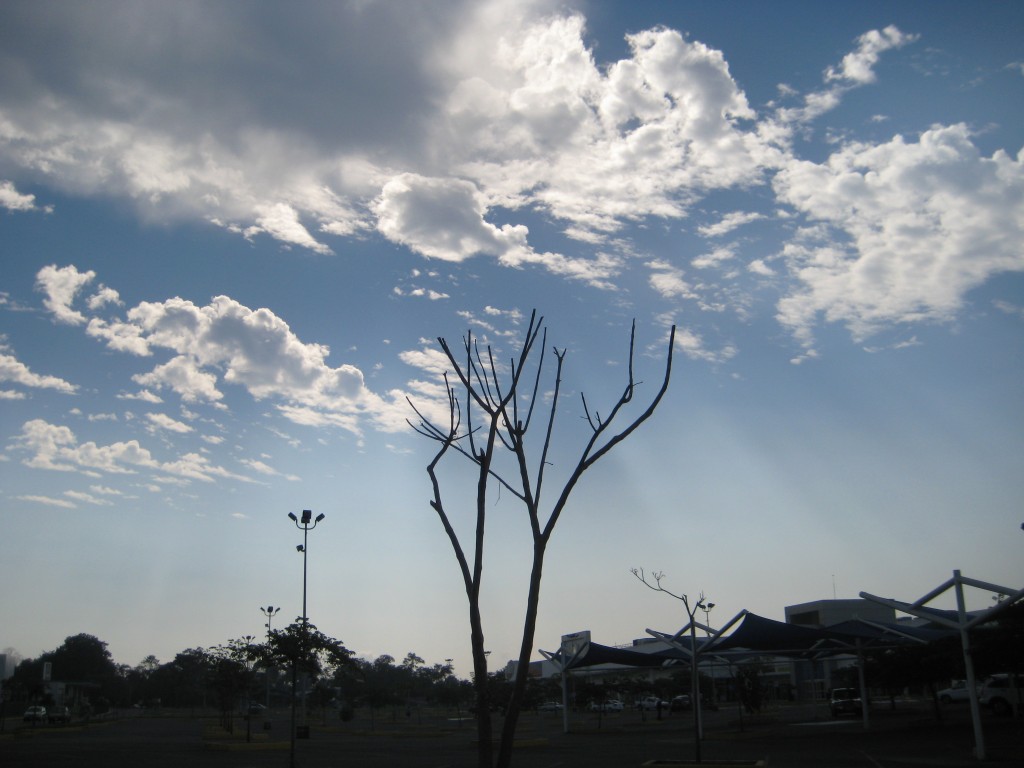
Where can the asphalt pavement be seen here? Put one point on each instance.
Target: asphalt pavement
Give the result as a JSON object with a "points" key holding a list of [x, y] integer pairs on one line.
{"points": [[783, 737]]}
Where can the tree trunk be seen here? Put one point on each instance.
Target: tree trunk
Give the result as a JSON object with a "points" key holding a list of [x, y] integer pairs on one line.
{"points": [[508, 733], [483, 699]]}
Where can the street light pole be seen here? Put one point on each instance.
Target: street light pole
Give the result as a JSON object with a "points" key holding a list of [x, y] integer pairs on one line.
{"points": [[304, 525], [707, 630], [270, 612]]}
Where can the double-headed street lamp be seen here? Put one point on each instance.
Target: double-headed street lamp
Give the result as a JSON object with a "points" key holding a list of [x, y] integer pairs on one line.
{"points": [[304, 524], [270, 612]]}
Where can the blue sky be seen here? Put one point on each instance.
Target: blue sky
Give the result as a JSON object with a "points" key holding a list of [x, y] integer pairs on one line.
{"points": [[231, 234]]}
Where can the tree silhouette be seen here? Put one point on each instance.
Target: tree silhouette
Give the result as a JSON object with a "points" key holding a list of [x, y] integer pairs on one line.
{"points": [[492, 426]]}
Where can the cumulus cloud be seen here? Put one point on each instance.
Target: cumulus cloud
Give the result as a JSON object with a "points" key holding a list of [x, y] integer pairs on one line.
{"points": [[13, 200], [910, 227], [442, 219], [55, 447], [691, 344], [61, 285], [13, 370], [161, 421], [859, 66], [669, 281], [481, 114], [228, 344], [527, 118]]}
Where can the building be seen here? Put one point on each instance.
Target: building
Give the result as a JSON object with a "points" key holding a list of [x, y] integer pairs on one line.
{"points": [[814, 679], [821, 614]]}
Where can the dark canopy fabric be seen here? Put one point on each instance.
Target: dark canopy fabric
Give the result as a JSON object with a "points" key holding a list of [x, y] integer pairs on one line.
{"points": [[888, 634], [757, 635], [604, 654]]}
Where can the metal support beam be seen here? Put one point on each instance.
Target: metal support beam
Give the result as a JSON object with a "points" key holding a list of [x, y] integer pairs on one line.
{"points": [[963, 624]]}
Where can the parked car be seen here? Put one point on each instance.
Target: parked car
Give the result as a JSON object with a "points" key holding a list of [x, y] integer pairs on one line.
{"points": [[680, 703], [652, 702], [58, 715], [35, 715], [845, 701], [611, 705], [550, 706], [957, 691], [1001, 693]]}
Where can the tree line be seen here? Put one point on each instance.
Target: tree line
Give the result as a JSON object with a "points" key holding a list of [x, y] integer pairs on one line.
{"points": [[237, 675]]}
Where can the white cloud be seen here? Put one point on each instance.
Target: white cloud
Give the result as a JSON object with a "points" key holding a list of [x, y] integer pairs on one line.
{"points": [[855, 70], [505, 96], [13, 200], [281, 221], [13, 370], [728, 223], [442, 219], [48, 501], [858, 66], [226, 343], [714, 258], [920, 223], [87, 498], [119, 336], [104, 296], [668, 281], [144, 396], [55, 447], [480, 113], [429, 359], [161, 421], [182, 374], [1009, 308], [692, 345], [61, 285]]}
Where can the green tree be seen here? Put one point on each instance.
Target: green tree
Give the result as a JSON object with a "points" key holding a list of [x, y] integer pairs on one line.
{"points": [[379, 684], [182, 682], [491, 431], [232, 677], [81, 658]]}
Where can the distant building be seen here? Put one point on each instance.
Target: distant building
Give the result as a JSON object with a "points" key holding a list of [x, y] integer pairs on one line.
{"points": [[821, 614], [814, 679]]}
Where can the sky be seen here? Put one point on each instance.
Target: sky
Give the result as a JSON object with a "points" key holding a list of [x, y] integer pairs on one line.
{"points": [[231, 235]]}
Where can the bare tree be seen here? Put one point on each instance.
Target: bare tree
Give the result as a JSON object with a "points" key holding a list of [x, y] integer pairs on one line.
{"points": [[493, 422], [700, 605]]}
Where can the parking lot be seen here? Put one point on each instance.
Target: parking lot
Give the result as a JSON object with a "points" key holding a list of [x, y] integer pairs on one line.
{"points": [[785, 737]]}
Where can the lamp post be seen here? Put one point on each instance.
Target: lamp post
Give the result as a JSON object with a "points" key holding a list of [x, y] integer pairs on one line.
{"points": [[270, 612], [707, 630], [698, 726], [304, 525]]}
